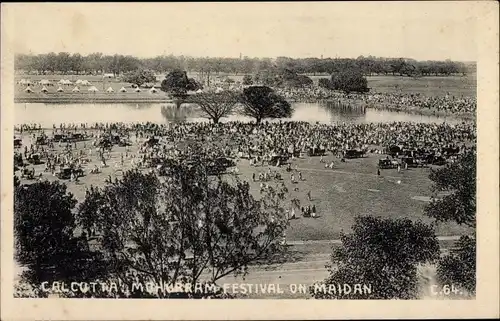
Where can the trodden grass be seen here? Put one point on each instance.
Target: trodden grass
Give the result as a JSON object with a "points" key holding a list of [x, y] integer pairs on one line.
{"points": [[340, 194]]}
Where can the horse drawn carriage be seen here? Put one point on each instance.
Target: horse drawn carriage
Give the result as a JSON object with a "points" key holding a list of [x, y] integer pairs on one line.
{"points": [[311, 152], [28, 173], [18, 142], [75, 137], [393, 151], [388, 163], [59, 138], [354, 153], [219, 165], [276, 160], [413, 162], [18, 159], [42, 140], [65, 172], [34, 159]]}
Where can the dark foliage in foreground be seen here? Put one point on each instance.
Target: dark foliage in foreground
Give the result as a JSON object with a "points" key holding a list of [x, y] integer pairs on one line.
{"points": [[44, 228], [458, 181], [383, 254]]}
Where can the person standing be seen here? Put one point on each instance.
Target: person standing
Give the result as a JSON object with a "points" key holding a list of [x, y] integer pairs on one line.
{"points": [[309, 195], [313, 211]]}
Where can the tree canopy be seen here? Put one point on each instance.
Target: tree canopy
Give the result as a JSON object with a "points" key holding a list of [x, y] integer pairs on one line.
{"points": [[178, 84], [44, 228], [189, 228], [382, 253], [97, 62], [216, 105], [262, 102], [349, 81], [458, 181], [139, 77]]}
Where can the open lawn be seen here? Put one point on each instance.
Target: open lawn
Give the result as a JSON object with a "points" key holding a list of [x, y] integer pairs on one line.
{"points": [[339, 194], [428, 86]]}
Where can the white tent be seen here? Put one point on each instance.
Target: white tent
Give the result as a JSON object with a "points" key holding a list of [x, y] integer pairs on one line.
{"points": [[153, 90], [138, 90], [60, 90], [123, 90], [22, 82], [86, 83], [28, 90], [62, 82], [93, 89], [44, 90], [78, 82], [68, 82], [110, 90], [76, 90], [44, 82], [199, 91]]}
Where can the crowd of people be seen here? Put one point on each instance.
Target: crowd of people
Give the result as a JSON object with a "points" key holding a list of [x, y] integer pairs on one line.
{"points": [[268, 148], [395, 101]]}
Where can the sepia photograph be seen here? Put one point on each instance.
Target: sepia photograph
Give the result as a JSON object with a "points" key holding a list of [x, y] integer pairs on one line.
{"points": [[297, 151]]}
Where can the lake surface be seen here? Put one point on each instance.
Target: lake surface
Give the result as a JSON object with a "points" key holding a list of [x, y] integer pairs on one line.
{"points": [[48, 114]]}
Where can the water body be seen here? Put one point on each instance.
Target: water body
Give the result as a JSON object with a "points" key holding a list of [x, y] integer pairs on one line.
{"points": [[48, 114]]}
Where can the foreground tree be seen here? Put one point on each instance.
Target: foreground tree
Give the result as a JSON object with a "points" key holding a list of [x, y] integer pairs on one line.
{"points": [[458, 181], [459, 267], [262, 102], [140, 77], [216, 105], [382, 254], [191, 228], [44, 228], [350, 80]]}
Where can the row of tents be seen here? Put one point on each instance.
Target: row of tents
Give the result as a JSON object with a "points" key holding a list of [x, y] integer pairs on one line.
{"points": [[91, 89], [46, 82]]}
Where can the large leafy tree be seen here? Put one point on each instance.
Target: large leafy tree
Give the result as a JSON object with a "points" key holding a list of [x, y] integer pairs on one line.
{"points": [[289, 78], [383, 253], [45, 238], [139, 77], [349, 80], [262, 102], [177, 84], [189, 228], [458, 181], [216, 105]]}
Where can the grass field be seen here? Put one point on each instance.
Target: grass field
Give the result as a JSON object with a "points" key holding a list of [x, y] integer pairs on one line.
{"points": [[339, 194], [429, 86]]}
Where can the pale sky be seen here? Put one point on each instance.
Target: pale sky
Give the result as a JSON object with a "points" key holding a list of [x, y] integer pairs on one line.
{"points": [[420, 30]]}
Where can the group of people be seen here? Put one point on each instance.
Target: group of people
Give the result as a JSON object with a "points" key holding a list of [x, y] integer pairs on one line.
{"points": [[257, 144], [395, 100]]}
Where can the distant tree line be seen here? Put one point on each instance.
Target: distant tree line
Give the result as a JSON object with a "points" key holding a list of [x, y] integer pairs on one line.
{"points": [[97, 63]]}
